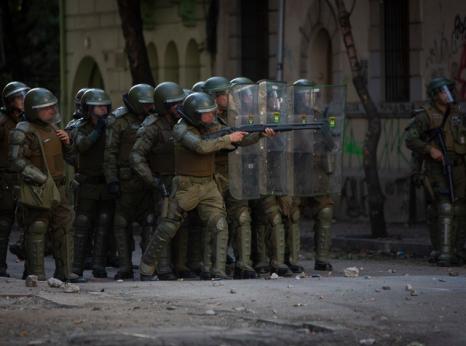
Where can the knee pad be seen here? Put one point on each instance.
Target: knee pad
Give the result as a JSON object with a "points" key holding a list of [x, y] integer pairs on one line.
{"points": [[295, 215], [82, 221], [120, 221], [326, 214], [244, 217], [104, 218], [38, 227], [445, 209], [150, 218], [217, 223]]}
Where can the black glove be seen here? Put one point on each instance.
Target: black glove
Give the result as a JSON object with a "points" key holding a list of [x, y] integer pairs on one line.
{"points": [[114, 188], [101, 125]]}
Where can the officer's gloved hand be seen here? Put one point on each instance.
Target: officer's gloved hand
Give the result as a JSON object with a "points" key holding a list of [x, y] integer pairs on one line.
{"points": [[101, 124], [113, 188]]}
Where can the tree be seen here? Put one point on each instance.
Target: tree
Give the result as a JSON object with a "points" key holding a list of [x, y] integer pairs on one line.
{"points": [[376, 198], [135, 46]]}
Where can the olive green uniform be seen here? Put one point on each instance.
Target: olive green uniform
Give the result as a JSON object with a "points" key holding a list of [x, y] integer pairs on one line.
{"points": [[193, 187], [94, 207], [27, 159], [135, 201], [8, 181], [153, 157], [448, 236], [238, 211]]}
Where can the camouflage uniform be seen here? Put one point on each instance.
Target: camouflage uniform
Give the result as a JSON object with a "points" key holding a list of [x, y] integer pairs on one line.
{"points": [[8, 181], [448, 237], [27, 159], [94, 207], [134, 201]]}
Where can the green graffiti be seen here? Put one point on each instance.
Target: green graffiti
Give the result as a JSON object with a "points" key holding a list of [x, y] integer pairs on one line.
{"points": [[352, 148]]}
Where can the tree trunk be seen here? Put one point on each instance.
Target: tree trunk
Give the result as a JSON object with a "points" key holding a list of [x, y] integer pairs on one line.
{"points": [[376, 198], [131, 25]]}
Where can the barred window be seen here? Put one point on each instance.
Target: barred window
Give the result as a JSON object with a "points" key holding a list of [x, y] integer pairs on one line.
{"points": [[396, 38]]}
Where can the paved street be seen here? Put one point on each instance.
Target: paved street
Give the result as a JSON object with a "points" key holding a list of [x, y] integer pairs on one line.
{"points": [[391, 302]]}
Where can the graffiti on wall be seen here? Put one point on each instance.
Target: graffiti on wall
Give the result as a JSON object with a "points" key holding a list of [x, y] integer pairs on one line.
{"points": [[394, 170], [447, 55]]}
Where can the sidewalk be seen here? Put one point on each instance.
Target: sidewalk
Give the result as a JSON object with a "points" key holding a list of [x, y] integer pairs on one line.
{"points": [[356, 237]]}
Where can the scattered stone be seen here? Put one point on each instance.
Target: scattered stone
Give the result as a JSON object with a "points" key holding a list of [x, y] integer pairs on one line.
{"points": [[351, 272], [453, 273], [210, 312], [386, 288], [96, 308], [70, 288], [377, 290], [290, 286], [415, 343], [274, 311], [250, 311], [55, 283], [102, 290], [298, 305], [367, 277], [217, 284], [233, 291], [119, 280], [442, 280], [274, 276], [392, 271], [369, 341], [239, 308], [316, 275], [409, 288], [31, 281], [298, 277], [413, 293]]}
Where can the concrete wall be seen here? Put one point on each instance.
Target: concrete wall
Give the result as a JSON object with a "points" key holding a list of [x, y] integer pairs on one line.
{"points": [[313, 49]]}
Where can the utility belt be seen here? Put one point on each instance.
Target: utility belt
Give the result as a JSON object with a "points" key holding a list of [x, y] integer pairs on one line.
{"points": [[125, 173], [197, 180], [89, 179], [59, 181]]}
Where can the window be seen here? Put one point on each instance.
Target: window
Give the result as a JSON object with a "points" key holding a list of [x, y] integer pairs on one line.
{"points": [[396, 35]]}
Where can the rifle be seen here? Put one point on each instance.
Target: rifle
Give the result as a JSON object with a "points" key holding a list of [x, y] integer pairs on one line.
{"points": [[259, 128], [438, 136]]}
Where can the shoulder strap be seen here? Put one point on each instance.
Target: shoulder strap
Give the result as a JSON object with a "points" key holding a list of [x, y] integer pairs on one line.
{"points": [[33, 131]]}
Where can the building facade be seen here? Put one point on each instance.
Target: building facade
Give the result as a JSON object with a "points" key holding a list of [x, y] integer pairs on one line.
{"points": [[401, 45]]}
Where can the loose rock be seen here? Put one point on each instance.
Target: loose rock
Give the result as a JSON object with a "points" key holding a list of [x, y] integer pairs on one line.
{"points": [[351, 272], [31, 281], [55, 283], [71, 288]]}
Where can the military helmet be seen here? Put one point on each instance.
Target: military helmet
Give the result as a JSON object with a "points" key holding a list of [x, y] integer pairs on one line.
{"points": [[304, 83], [77, 114], [13, 88], [240, 80], [198, 86], [215, 85], [165, 94], [196, 104], [436, 84], [35, 99], [138, 95], [79, 95], [95, 97]]}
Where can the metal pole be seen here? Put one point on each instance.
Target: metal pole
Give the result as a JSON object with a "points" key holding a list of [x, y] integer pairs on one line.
{"points": [[280, 36], [63, 80]]}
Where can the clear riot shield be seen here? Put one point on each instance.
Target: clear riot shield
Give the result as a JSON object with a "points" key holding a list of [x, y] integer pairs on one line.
{"points": [[317, 154], [274, 160], [244, 162]]}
